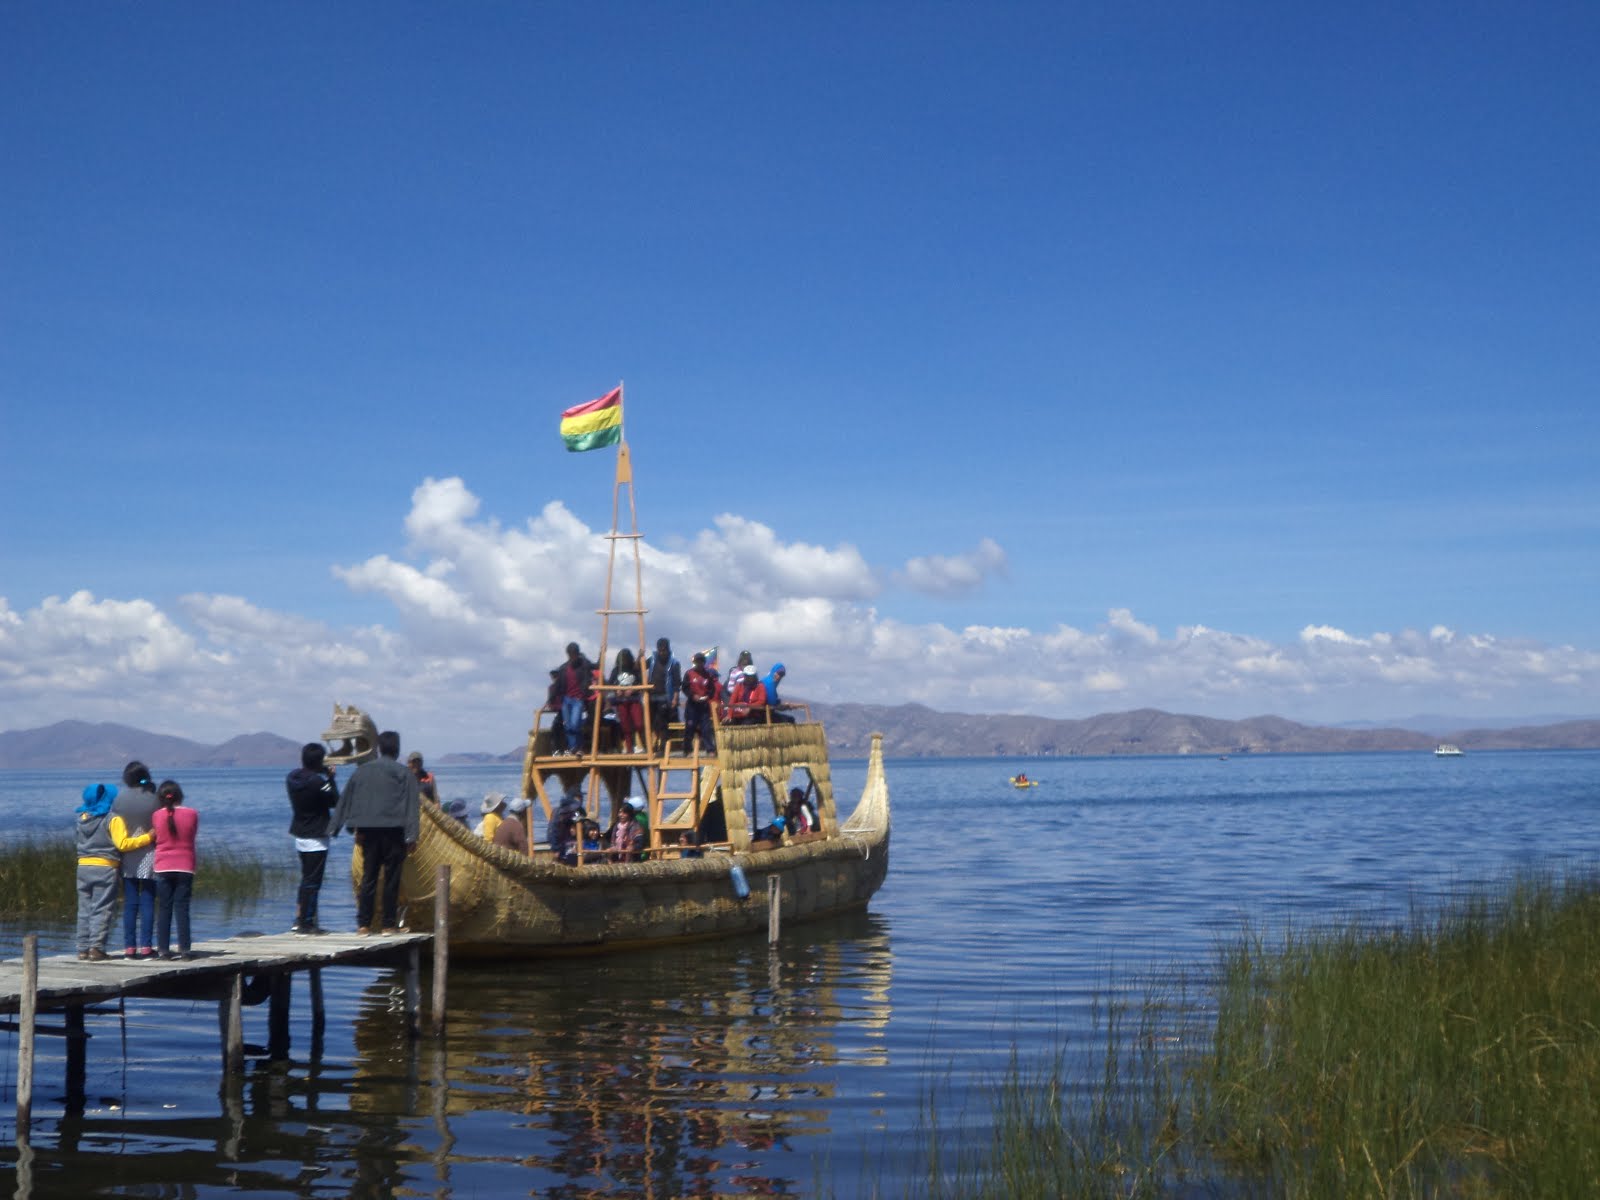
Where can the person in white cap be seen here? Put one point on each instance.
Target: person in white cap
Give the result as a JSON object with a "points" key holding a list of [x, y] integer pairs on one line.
{"points": [[511, 833], [747, 704], [493, 810]]}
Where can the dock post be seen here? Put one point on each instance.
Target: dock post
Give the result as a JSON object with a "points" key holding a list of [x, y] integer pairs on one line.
{"points": [[413, 991], [774, 907], [77, 1038], [26, 1033], [441, 944], [232, 1017], [319, 1016], [278, 1016]]}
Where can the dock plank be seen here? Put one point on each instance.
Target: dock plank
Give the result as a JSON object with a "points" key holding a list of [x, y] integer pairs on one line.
{"points": [[64, 978]]}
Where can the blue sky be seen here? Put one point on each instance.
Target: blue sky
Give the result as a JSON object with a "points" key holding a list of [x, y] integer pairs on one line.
{"points": [[1229, 358]]}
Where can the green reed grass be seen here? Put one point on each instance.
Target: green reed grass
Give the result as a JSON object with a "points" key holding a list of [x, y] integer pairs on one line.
{"points": [[38, 878], [1457, 1055]]}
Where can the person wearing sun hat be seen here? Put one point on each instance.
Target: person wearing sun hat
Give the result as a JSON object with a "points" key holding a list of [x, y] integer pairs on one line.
{"points": [[493, 809], [511, 832]]}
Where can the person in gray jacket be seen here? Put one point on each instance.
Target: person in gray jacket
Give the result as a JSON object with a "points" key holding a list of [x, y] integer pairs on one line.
{"points": [[381, 806], [131, 815]]}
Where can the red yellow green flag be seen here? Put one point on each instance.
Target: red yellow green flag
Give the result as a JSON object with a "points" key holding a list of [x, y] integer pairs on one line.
{"points": [[595, 424]]}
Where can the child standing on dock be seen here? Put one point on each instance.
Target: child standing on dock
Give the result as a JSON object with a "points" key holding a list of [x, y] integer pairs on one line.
{"points": [[130, 817], [175, 828], [312, 797], [99, 870]]}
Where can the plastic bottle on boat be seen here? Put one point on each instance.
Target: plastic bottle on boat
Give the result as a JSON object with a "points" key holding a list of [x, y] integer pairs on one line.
{"points": [[741, 886]]}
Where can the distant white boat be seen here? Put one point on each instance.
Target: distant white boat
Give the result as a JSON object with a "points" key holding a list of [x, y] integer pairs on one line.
{"points": [[1446, 750]]}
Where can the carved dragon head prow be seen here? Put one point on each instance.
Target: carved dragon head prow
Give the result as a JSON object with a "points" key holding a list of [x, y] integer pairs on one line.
{"points": [[351, 736]]}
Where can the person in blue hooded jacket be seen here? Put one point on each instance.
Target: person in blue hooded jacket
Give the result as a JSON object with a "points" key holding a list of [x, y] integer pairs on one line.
{"points": [[99, 869], [773, 678]]}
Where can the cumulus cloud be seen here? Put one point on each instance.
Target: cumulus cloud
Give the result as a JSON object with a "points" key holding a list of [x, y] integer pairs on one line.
{"points": [[953, 574], [481, 610]]}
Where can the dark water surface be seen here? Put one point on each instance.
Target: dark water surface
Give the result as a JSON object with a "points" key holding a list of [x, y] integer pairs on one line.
{"points": [[729, 1069]]}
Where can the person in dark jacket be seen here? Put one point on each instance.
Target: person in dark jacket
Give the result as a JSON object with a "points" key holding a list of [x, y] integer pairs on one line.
{"points": [[382, 804], [312, 796], [131, 816]]}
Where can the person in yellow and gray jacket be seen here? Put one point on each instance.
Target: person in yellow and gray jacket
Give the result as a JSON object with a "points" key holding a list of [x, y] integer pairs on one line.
{"points": [[99, 869]]}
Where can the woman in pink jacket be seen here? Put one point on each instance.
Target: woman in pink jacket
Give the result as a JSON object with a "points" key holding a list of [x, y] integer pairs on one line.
{"points": [[174, 827]]}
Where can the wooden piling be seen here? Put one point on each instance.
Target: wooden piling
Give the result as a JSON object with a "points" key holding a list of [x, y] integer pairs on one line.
{"points": [[413, 992], [278, 1017], [774, 907], [232, 1017], [25, 1033], [441, 944]]}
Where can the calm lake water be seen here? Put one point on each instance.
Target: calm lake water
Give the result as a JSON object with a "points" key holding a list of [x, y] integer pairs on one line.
{"points": [[729, 1069]]}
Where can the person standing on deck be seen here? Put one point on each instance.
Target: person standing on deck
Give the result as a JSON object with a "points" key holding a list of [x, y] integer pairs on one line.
{"points": [[381, 804], [699, 693], [130, 817], [575, 678], [312, 797], [666, 681], [425, 781]]}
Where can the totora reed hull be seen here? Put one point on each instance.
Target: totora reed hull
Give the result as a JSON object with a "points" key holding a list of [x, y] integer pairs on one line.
{"points": [[506, 904]]}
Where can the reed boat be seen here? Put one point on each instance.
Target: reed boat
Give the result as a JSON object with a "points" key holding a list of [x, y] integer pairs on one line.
{"points": [[715, 859]]}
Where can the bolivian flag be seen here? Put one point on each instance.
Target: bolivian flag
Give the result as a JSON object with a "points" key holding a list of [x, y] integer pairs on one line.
{"points": [[595, 424]]}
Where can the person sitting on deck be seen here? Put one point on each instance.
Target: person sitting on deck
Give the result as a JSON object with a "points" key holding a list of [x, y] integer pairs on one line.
{"points": [[511, 833], [627, 837], [493, 809], [745, 659], [562, 835], [797, 814], [591, 838], [699, 691], [747, 703], [773, 678]]}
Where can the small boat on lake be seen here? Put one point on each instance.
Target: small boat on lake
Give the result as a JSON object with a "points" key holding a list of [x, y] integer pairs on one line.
{"points": [[1447, 750], [718, 851], [1022, 781]]}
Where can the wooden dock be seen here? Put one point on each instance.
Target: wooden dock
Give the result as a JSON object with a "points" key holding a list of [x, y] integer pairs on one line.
{"points": [[235, 972]]}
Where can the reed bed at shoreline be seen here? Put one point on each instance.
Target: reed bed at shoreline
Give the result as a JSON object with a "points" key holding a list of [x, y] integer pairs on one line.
{"points": [[38, 879], [1456, 1055]]}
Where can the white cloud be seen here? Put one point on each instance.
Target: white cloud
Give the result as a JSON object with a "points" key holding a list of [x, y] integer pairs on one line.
{"points": [[481, 611], [948, 575]]}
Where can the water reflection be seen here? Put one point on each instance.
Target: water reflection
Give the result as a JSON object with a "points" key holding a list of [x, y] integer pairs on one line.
{"points": [[689, 1071], [679, 1072]]}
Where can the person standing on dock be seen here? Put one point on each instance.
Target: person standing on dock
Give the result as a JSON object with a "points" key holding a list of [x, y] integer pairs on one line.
{"points": [[99, 867], [381, 805], [313, 793], [130, 817], [175, 828]]}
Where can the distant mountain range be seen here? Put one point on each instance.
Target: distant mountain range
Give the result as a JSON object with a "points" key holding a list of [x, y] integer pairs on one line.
{"points": [[910, 731]]}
